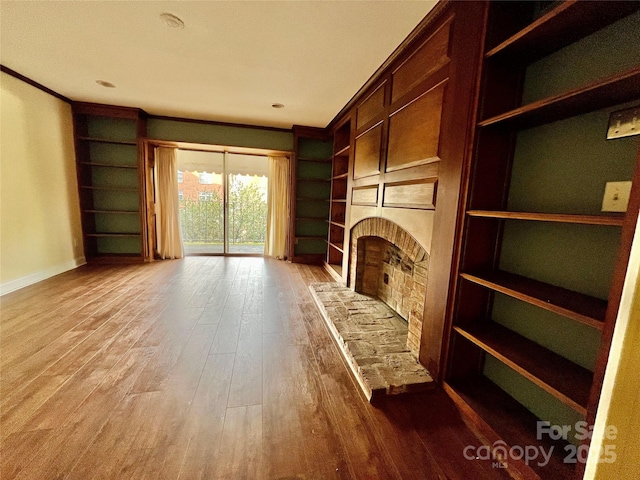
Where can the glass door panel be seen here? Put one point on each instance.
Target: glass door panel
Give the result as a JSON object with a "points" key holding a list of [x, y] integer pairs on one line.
{"points": [[246, 203], [201, 193]]}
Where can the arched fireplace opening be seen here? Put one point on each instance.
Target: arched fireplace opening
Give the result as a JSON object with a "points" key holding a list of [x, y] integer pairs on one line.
{"points": [[388, 263]]}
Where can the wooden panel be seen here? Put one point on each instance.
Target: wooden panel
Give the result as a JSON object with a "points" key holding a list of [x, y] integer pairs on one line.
{"points": [[427, 170], [416, 194], [433, 54], [365, 196], [367, 153], [370, 107], [359, 212], [414, 131]]}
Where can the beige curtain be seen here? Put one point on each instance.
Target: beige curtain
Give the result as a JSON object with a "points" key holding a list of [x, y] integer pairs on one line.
{"points": [[275, 244], [167, 206]]}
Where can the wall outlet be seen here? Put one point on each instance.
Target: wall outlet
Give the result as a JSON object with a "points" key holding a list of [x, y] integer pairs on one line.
{"points": [[616, 196], [624, 123]]}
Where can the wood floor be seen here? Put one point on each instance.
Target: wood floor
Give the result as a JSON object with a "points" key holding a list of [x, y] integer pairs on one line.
{"points": [[206, 367]]}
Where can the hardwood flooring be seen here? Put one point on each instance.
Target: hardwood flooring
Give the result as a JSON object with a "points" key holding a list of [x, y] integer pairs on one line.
{"points": [[202, 368]]}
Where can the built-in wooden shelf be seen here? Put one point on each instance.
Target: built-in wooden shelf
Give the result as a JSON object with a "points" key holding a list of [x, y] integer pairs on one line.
{"points": [[577, 306], [568, 382], [338, 177], [500, 417], [610, 220], [312, 219], [108, 165], [339, 248], [337, 224], [336, 268], [610, 91], [342, 151], [106, 140], [516, 35], [339, 200], [557, 29]]}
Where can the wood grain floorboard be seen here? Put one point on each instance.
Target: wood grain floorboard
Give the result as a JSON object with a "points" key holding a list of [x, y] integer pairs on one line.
{"points": [[202, 368]]}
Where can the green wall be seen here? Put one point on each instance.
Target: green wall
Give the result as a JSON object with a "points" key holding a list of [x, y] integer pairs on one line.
{"points": [[215, 134]]}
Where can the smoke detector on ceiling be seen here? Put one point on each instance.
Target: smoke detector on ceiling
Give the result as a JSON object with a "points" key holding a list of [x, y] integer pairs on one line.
{"points": [[171, 20], [277, 105]]}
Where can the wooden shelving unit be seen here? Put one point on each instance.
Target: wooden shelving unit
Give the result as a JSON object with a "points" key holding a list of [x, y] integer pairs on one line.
{"points": [[312, 184], [574, 305], [338, 208], [610, 91], [110, 179], [520, 274]]}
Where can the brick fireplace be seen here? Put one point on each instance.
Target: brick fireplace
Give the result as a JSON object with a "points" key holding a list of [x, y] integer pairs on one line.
{"points": [[387, 262]]}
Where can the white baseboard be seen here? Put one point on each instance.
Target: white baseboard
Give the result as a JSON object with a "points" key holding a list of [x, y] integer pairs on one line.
{"points": [[18, 283]]}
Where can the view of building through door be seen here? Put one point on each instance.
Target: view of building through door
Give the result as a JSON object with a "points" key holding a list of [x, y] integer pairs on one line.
{"points": [[223, 202]]}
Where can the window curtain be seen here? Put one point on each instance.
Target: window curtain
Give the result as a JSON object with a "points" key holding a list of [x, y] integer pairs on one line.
{"points": [[167, 204], [275, 244]]}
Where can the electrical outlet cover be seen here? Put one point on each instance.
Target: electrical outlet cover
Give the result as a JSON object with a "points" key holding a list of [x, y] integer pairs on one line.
{"points": [[624, 123], [616, 196]]}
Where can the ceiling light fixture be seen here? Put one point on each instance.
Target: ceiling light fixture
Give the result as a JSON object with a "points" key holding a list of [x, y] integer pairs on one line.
{"points": [[171, 20], [102, 83], [277, 105]]}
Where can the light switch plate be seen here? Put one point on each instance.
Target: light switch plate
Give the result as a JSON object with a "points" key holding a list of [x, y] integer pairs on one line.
{"points": [[624, 123], [616, 196]]}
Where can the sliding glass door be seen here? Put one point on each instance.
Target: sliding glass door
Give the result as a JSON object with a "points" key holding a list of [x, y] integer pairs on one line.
{"points": [[223, 202], [246, 203]]}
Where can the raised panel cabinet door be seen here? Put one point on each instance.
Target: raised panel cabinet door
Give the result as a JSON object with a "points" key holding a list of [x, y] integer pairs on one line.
{"points": [[367, 153], [414, 131]]}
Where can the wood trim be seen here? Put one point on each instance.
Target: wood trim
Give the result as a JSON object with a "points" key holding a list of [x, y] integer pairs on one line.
{"points": [[33, 83]]}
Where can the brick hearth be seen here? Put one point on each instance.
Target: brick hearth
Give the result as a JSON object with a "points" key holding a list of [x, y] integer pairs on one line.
{"points": [[373, 339]]}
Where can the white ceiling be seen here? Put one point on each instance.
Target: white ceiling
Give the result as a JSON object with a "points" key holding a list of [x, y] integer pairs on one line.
{"points": [[232, 60]]}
